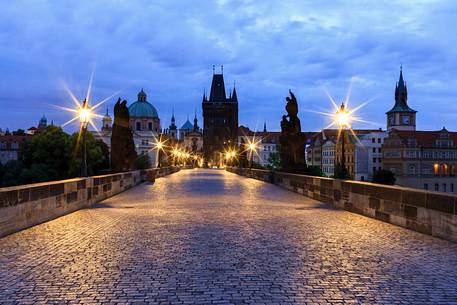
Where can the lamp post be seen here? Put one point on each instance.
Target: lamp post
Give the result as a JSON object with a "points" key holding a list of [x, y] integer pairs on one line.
{"points": [[84, 117], [343, 120], [252, 148], [159, 146]]}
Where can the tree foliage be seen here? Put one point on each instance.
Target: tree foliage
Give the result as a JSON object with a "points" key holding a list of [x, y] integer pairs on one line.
{"points": [[384, 176], [143, 162], [274, 161], [53, 154], [341, 172]]}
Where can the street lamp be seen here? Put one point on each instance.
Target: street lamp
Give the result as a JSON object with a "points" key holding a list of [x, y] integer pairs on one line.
{"points": [[84, 118], [252, 148], [343, 120], [159, 146]]}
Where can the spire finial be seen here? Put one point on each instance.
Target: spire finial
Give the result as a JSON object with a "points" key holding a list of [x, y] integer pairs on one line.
{"points": [[214, 69], [222, 69], [107, 111], [234, 84]]}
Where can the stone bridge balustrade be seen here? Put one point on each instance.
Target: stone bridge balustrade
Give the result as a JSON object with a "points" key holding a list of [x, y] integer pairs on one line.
{"points": [[427, 212], [27, 205]]}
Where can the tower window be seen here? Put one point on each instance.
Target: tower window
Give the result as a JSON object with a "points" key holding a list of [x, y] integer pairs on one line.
{"points": [[138, 126], [150, 126]]}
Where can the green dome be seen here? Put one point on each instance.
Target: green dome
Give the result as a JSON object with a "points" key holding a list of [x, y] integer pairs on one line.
{"points": [[141, 109]]}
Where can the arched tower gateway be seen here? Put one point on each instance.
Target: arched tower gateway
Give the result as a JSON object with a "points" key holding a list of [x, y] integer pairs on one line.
{"points": [[401, 117], [220, 120]]}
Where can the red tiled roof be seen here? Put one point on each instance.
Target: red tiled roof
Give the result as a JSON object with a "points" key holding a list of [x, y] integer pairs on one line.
{"points": [[9, 139], [425, 138]]}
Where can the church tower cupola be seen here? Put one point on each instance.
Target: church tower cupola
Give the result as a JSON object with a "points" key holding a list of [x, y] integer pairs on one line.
{"points": [[401, 116], [107, 122], [142, 97]]}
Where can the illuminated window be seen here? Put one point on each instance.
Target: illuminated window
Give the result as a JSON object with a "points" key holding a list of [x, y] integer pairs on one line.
{"points": [[444, 169], [436, 169]]}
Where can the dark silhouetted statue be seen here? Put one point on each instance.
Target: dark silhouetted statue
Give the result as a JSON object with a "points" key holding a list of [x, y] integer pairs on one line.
{"points": [[292, 141], [123, 154]]}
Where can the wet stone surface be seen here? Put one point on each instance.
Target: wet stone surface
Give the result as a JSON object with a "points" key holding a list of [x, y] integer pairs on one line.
{"points": [[211, 237]]}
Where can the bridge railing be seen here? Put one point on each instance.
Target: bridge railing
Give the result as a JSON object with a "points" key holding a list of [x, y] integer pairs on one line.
{"points": [[424, 211], [27, 205]]}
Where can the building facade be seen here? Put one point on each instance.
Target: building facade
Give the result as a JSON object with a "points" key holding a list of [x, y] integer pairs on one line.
{"points": [[10, 146], [267, 144], [220, 121], [422, 159]]}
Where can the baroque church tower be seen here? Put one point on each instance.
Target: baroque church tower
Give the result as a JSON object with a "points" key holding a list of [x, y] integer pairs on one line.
{"points": [[401, 117], [220, 120]]}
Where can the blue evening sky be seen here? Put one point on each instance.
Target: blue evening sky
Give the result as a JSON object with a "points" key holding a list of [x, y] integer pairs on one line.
{"points": [[168, 48]]}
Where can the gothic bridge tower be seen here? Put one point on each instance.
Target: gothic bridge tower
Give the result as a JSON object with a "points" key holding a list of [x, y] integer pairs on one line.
{"points": [[220, 120]]}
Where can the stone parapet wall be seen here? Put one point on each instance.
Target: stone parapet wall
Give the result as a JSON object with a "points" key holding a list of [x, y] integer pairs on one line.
{"points": [[27, 205], [427, 212]]}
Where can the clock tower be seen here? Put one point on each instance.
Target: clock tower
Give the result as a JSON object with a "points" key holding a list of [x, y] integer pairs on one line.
{"points": [[401, 117]]}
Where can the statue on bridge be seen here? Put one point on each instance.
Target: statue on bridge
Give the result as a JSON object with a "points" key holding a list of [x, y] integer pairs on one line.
{"points": [[123, 154], [291, 140]]}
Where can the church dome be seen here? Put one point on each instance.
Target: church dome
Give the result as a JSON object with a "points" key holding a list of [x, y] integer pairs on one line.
{"points": [[142, 108]]}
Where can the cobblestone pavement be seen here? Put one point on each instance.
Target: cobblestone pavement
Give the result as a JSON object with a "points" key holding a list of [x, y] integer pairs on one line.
{"points": [[211, 237]]}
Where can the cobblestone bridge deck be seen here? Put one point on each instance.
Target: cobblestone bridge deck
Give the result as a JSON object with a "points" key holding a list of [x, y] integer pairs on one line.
{"points": [[211, 237]]}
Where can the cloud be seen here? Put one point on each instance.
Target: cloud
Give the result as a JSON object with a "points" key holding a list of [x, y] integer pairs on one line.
{"points": [[169, 47]]}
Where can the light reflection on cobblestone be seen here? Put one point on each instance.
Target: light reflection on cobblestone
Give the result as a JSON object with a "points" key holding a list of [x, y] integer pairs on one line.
{"points": [[210, 237]]}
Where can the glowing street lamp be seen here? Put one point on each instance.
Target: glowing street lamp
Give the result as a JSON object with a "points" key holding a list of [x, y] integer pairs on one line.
{"points": [[158, 146], [343, 120], [252, 149], [84, 119]]}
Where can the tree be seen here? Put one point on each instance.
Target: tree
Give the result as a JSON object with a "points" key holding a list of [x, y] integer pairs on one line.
{"points": [[10, 173], [341, 172], [97, 153], [19, 132], [143, 162], [384, 176], [274, 161], [48, 152], [314, 170]]}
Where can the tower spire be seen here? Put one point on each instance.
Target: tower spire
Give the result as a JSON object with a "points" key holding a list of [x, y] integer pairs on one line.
{"points": [[222, 69], [264, 126], [195, 120]]}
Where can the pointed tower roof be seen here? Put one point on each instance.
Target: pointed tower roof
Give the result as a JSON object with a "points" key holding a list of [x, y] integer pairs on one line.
{"points": [[234, 97], [204, 99], [217, 93], [264, 126], [401, 97], [196, 121]]}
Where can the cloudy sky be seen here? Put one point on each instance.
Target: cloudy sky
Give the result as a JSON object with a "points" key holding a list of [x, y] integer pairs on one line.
{"points": [[168, 48]]}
